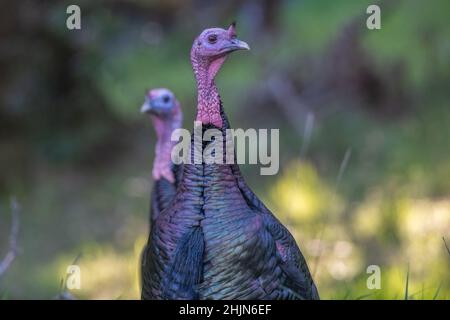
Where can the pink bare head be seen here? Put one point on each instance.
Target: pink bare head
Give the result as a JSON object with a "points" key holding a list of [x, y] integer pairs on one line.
{"points": [[213, 45], [216, 42]]}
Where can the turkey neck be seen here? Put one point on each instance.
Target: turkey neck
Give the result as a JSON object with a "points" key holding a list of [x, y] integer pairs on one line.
{"points": [[210, 112], [164, 128], [208, 99]]}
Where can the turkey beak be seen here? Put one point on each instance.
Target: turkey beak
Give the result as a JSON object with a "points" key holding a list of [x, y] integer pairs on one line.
{"points": [[235, 44], [147, 107], [241, 45]]}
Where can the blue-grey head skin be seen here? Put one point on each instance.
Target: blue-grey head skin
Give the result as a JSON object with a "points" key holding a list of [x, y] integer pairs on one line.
{"points": [[159, 102]]}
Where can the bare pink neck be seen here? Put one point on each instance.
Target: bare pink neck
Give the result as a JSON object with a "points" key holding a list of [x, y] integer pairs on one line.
{"points": [[162, 165], [208, 100]]}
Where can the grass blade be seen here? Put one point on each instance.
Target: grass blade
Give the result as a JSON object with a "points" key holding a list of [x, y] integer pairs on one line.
{"points": [[407, 283], [364, 296], [347, 294], [437, 291], [423, 290]]}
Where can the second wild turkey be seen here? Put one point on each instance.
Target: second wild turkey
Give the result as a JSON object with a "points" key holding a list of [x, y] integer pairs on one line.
{"points": [[217, 240], [165, 112]]}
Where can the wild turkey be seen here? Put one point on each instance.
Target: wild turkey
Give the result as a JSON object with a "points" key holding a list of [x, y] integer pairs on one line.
{"points": [[217, 240], [166, 115]]}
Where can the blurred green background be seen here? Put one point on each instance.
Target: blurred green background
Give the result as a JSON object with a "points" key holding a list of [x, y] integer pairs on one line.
{"points": [[364, 135]]}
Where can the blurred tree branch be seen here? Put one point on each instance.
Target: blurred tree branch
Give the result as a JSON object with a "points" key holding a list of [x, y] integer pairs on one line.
{"points": [[14, 233]]}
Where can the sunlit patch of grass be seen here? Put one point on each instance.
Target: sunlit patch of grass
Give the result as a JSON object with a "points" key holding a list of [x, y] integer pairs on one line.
{"points": [[380, 216], [106, 272], [342, 261], [422, 232], [389, 228], [300, 195], [367, 221], [396, 282]]}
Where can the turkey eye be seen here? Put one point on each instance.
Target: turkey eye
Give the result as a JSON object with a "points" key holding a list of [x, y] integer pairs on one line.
{"points": [[166, 99], [212, 38]]}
